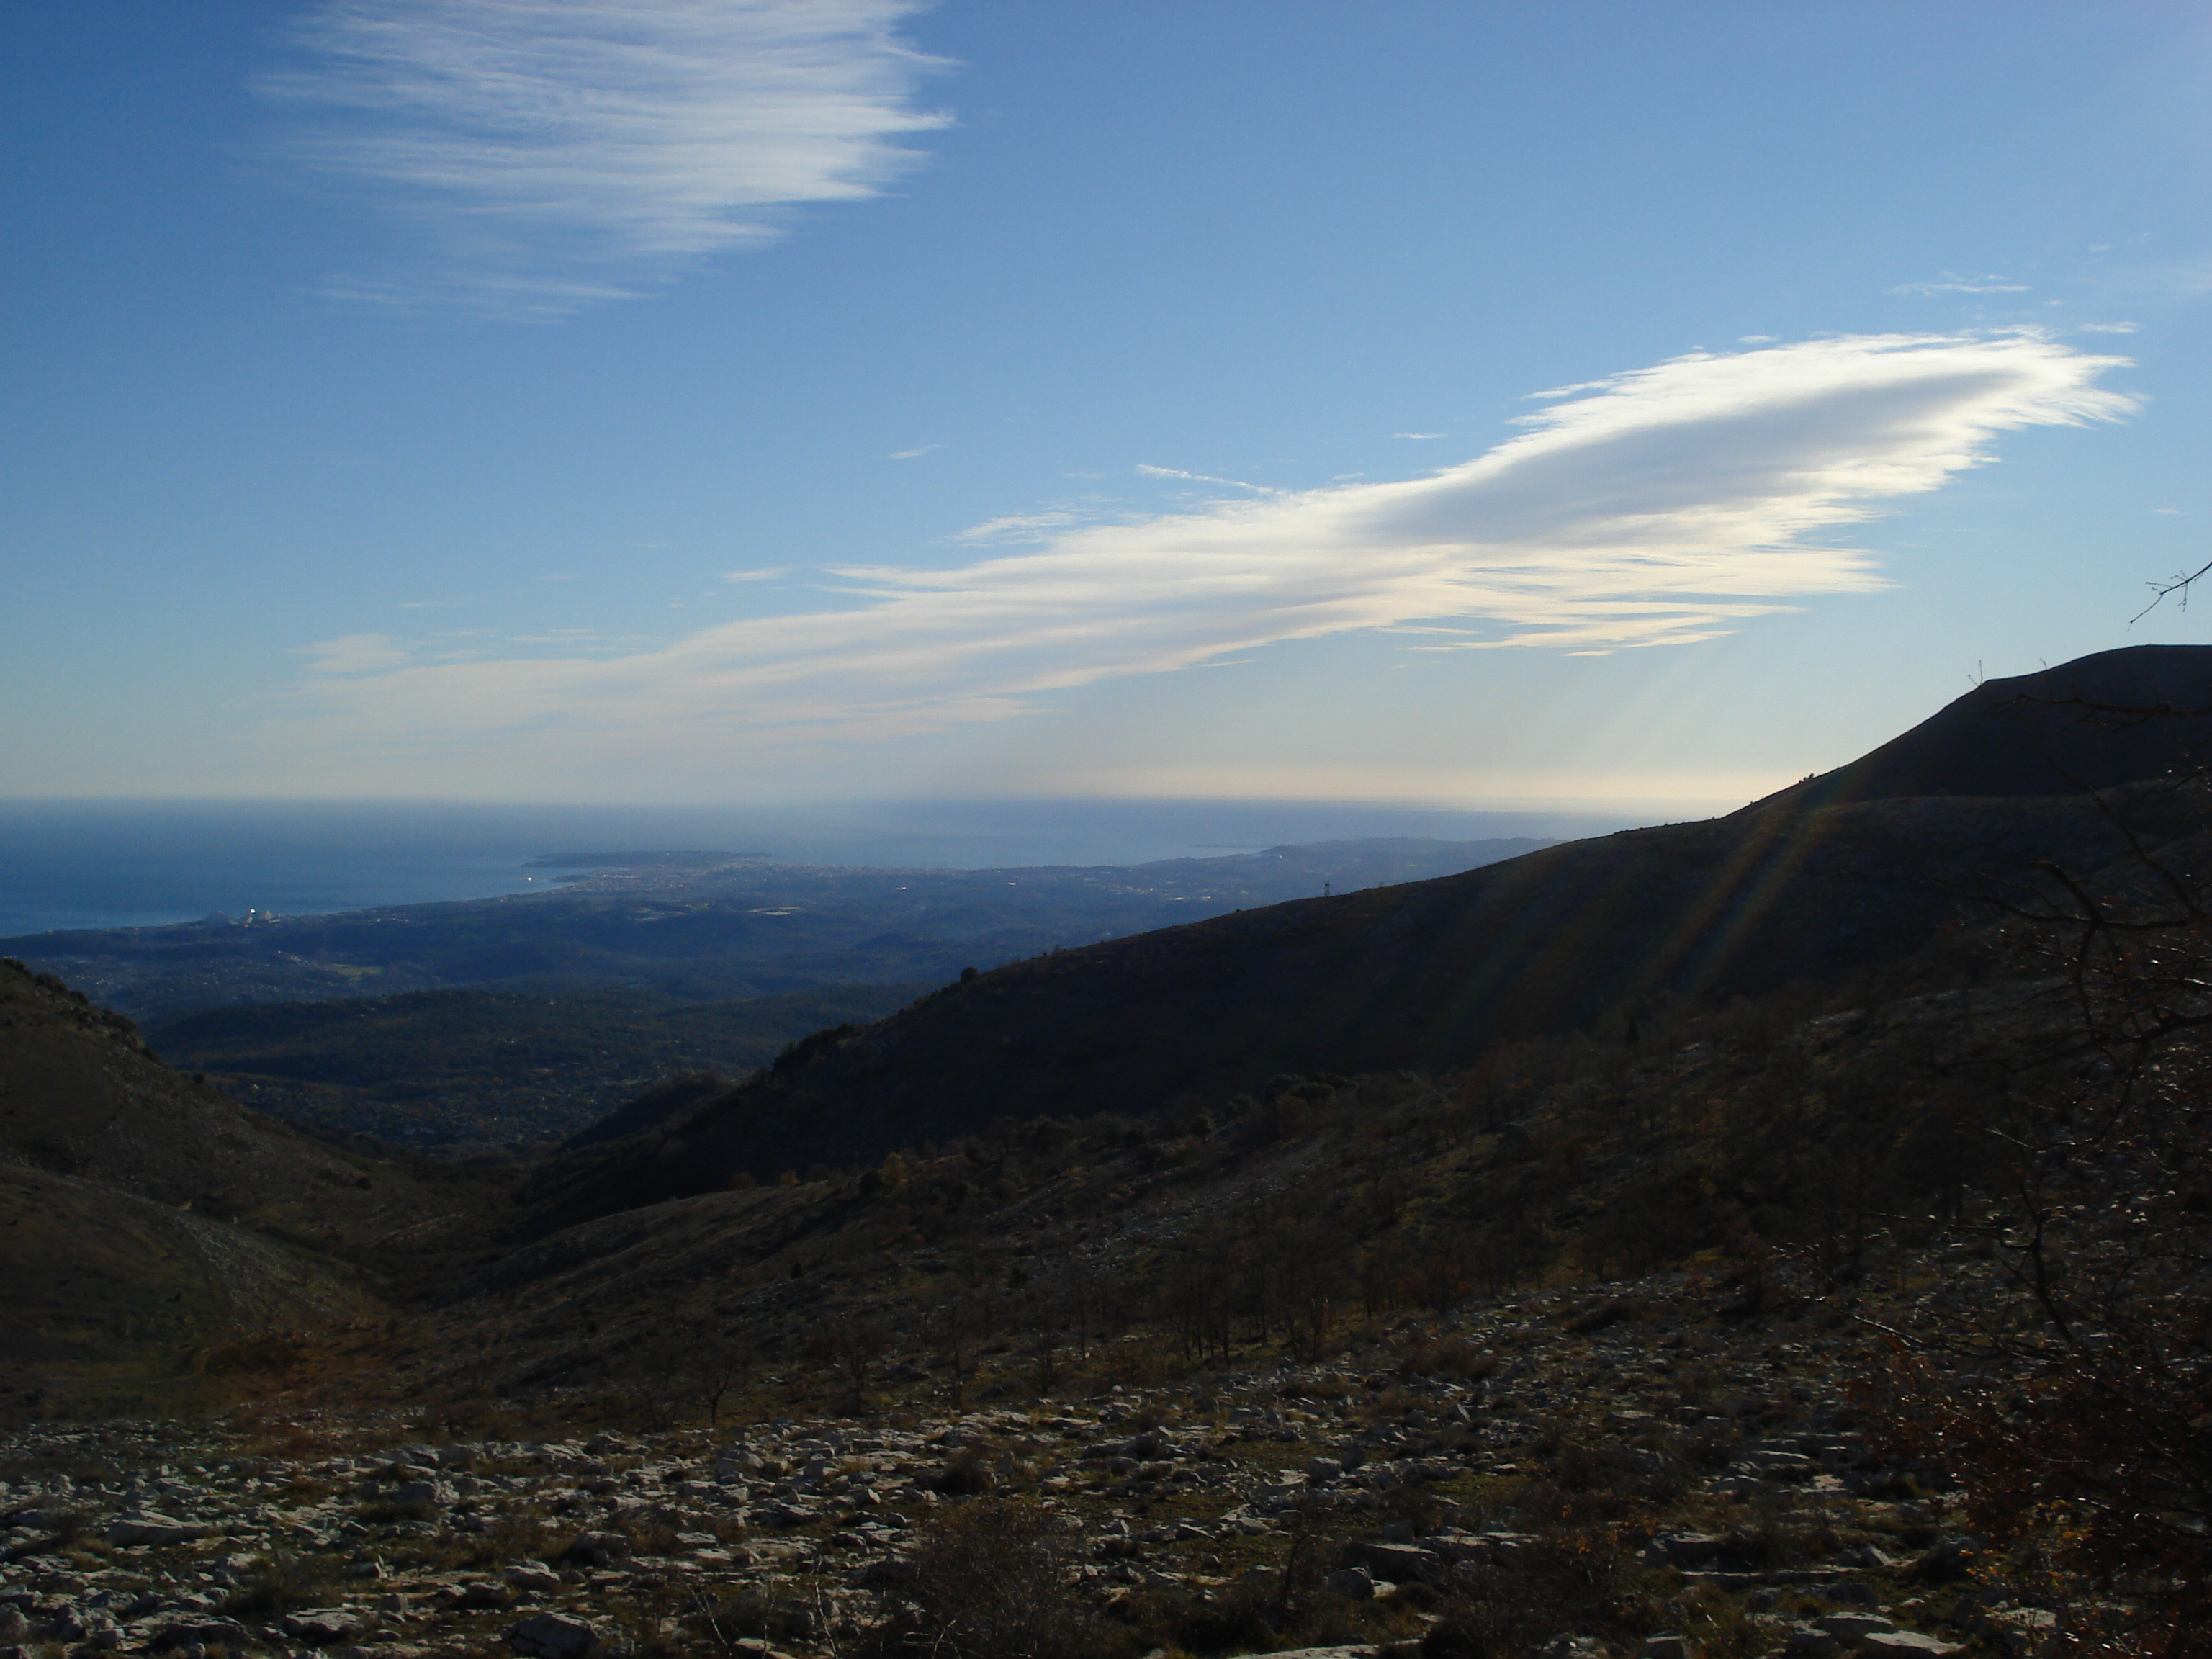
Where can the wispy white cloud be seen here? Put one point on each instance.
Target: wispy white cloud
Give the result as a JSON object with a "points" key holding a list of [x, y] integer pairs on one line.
{"points": [[2186, 278], [768, 575], [1419, 434], [1017, 527], [1202, 477], [355, 654], [564, 152], [2110, 328], [1662, 507], [910, 454], [1954, 284]]}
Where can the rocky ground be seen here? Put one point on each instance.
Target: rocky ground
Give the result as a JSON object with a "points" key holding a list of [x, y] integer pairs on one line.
{"points": [[1719, 1459]]}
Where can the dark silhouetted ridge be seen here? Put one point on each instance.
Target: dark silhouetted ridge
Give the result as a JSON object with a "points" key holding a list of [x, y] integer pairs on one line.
{"points": [[2093, 723]]}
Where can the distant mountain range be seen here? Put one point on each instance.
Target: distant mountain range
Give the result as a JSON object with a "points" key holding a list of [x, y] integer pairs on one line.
{"points": [[707, 926]]}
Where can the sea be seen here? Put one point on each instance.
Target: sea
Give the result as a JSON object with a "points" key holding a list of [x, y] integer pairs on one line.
{"points": [[110, 863]]}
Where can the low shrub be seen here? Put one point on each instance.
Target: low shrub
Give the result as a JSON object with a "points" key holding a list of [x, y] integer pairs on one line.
{"points": [[990, 1581], [283, 1583]]}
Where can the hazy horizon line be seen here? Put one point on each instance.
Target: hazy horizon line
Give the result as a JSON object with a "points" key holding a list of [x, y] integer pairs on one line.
{"points": [[1593, 805]]}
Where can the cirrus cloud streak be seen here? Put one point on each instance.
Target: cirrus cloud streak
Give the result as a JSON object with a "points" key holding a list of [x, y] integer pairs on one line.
{"points": [[1661, 507], [558, 150]]}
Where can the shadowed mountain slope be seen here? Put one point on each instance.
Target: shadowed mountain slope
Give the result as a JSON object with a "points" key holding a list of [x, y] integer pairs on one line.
{"points": [[1431, 973], [452, 1073], [144, 1216], [82, 1096]]}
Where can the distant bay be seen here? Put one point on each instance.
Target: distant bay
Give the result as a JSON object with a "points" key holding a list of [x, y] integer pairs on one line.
{"points": [[117, 864]]}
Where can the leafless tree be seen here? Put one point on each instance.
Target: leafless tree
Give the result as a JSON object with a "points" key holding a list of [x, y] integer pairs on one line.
{"points": [[2078, 1413]]}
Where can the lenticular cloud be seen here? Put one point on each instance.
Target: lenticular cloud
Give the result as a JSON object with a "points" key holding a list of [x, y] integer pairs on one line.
{"points": [[1661, 507]]}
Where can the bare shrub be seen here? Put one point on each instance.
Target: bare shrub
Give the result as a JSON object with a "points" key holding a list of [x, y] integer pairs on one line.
{"points": [[967, 1474], [739, 1625], [1279, 1608], [1577, 1581], [284, 1584], [1452, 1356], [990, 1581]]}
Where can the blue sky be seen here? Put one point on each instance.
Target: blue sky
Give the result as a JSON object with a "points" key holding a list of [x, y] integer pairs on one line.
{"points": [[1637, 405]]}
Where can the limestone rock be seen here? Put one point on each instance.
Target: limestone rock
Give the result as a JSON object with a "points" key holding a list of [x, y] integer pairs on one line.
{"points": [[321, 1626], [1399, 1563], [155, 1529], [1852, 1627], [205, 1634], [1906, 1644], [1685, 1549], [1354, 1583]]}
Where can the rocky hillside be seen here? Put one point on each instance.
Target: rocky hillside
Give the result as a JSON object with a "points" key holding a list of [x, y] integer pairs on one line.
{"points": [[1704, 1479]]}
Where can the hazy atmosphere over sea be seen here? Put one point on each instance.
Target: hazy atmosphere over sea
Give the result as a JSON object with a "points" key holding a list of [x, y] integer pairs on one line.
{"points": [[104, 864], [1591, 407]]}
